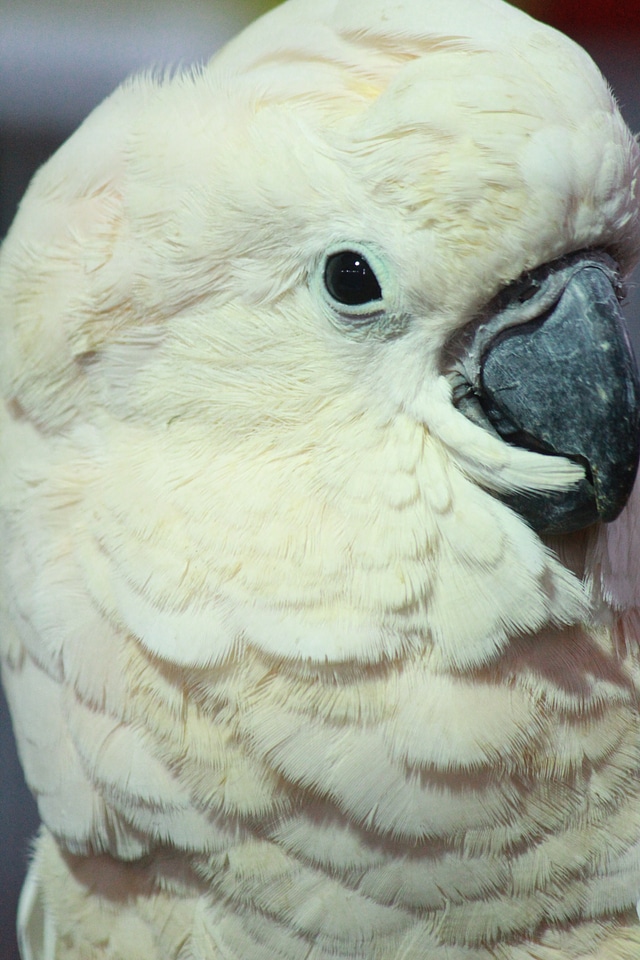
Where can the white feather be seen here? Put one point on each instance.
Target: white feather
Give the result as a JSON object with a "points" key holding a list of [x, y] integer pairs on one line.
{"points": [[289, 680]]}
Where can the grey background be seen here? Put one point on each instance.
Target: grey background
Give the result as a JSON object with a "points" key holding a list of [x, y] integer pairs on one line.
{"points": [[57, 60]]}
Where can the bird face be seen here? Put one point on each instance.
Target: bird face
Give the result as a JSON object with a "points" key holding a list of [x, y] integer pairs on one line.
{"points": [[290, 329]]}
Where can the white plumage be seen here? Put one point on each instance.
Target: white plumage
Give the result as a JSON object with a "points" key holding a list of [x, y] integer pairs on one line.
{"points": [[289, 679]]}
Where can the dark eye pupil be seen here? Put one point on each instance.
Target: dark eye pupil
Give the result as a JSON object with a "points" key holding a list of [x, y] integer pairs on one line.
{"points": [[350, 280]]}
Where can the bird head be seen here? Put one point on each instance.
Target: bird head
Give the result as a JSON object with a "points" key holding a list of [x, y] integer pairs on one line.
{"points": [[300, 305]]}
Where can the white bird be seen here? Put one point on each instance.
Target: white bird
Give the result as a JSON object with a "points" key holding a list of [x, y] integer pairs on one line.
{"points": [[319, 593]]}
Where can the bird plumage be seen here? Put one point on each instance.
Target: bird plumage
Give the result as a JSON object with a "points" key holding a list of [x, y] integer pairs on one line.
{"points": [[288, 678]]}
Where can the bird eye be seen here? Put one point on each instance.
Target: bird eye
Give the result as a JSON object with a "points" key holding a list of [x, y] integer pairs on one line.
{"points": [[350, 279]]}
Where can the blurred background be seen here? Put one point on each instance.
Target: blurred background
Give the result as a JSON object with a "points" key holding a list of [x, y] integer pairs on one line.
{"points": [[59, 58]]}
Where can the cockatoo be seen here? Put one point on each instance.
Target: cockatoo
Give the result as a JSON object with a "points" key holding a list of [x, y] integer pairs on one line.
{"points": [[320, 557]]}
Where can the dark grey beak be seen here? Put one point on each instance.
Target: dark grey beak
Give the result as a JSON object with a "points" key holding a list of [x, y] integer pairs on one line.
{"points": [[552, 370]]}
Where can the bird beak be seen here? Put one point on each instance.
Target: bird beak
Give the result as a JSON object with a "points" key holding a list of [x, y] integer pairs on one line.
{"points": [[550, 368]]}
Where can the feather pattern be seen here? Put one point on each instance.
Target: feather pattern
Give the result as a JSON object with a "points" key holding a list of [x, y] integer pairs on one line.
{"points": [[288, 679]]}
